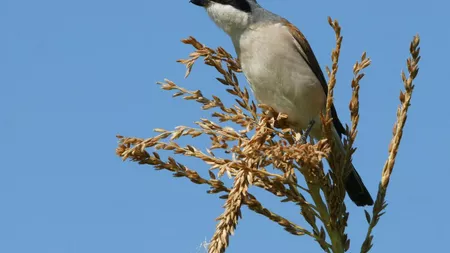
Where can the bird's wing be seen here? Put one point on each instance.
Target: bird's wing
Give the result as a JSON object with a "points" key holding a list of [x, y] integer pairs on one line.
{"points": [[308, 55]]}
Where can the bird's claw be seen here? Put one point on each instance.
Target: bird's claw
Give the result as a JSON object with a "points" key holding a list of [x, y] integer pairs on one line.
{"points": [[307, 132]]}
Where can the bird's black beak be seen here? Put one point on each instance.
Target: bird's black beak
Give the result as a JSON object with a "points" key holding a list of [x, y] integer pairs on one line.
{"points": [[199, 2]]}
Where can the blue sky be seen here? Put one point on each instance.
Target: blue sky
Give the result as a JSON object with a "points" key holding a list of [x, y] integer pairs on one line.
{"points": [[73, 74]]}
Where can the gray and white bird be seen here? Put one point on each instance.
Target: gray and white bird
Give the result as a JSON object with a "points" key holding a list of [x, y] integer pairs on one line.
{"points": [[282, 70]]}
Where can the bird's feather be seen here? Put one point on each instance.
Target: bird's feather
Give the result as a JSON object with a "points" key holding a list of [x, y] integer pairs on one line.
{"points": [[308, 55]]}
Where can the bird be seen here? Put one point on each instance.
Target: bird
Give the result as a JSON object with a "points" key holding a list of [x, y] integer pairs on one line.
{"points": [[283, 72]]}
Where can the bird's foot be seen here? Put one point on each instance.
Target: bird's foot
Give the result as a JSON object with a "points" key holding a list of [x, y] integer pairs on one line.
{"points": [[307, 132]]}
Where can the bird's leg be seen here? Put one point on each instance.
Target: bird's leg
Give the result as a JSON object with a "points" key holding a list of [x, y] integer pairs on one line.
{"points": [[307, 131]]}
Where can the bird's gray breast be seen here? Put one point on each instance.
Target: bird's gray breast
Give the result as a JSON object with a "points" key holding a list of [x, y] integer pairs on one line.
{"points": [[278, 74]]}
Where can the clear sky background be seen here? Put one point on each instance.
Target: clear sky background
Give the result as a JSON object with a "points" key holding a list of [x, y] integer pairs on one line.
{"points": [[73, 74]]}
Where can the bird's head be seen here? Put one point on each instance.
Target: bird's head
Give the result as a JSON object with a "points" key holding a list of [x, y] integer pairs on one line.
{"points": [[231, 15]]}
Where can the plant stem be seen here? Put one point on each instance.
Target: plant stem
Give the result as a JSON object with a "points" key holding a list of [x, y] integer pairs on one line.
{"points": [[335, 236]]}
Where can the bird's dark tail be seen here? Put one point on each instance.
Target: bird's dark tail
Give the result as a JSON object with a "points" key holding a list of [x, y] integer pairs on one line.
{"points": [[354, 185], [356, 189]]}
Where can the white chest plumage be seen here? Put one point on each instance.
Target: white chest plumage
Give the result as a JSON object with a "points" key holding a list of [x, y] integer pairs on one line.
{"points": [[278, 74]]}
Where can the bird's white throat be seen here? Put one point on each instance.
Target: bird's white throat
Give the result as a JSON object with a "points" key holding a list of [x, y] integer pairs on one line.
{"points": [[230, 19]]}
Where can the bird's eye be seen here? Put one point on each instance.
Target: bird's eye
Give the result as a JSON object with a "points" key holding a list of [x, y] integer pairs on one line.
{"points": [[242, 5]]}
